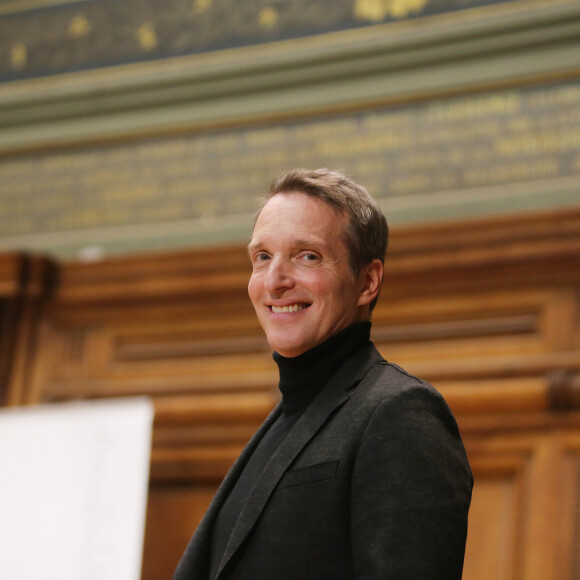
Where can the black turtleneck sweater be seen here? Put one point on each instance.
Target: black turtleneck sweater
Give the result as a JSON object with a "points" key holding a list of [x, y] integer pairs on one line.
{"points": [[301, 379]]}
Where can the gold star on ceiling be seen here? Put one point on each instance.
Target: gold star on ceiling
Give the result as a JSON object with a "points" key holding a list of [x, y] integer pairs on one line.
{"points": [[79, 26], [378, 10], [147, 37], [18, 56], [268, 18]]}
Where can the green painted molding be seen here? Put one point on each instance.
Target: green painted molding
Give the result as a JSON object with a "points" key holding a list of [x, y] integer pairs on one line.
{"points": [[93, 243], [460, 52]]}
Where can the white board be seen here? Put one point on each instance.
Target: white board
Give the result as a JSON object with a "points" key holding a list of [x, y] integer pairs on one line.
{"points": [[73, 490]]}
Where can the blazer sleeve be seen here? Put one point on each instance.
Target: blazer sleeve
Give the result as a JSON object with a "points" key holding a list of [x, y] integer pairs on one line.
{"points": [[411, 489]]}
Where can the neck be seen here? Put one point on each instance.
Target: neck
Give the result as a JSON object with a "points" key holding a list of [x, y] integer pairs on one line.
{"points": [[304, 376]]}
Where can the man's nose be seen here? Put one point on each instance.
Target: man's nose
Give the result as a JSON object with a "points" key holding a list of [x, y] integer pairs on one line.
{"points": [[279, 276]]}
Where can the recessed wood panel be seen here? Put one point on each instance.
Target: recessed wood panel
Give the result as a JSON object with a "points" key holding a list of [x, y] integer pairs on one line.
{"points": [[172, 515], [491, 544]]}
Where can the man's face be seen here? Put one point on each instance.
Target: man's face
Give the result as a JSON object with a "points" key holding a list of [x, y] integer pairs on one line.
{"points": [[302, 286]]}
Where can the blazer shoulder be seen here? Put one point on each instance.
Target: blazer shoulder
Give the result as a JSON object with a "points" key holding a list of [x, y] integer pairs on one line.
{"points": [[388, 388], [385, 378]]}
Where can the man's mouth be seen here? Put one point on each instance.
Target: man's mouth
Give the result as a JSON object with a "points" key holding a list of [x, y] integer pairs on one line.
{"points": [[288, 308]]}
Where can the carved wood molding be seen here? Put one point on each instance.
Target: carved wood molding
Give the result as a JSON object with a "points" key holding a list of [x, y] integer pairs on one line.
{"points": [[564, 389], [539, 249], [26, 282]]}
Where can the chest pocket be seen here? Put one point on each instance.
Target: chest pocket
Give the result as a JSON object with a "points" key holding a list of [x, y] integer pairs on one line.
{"points": [[309, 474]]}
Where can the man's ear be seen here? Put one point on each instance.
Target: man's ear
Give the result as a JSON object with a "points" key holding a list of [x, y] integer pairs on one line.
{"points": [[371, 279]]}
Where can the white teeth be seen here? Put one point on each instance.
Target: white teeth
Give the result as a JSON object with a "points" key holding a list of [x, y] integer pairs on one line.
{"points": [[284, 309]]}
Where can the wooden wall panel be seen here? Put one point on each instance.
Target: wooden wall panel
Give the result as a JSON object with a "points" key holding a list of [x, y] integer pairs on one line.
{"points": [[496, 517], [487, 310], [568, 555], [173, 512]]}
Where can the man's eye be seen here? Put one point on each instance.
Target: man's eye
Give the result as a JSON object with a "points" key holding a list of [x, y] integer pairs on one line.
{"points": [[261, 257], [310, 257]]}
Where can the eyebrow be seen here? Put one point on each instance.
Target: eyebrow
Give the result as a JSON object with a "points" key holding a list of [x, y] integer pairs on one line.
{"points": [[253, 246], [298, 243]]}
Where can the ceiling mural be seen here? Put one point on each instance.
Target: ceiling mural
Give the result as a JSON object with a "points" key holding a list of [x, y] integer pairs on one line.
{"points": [[47, 37]]}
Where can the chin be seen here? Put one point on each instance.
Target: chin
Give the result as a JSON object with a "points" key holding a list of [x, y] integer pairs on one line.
{"points": [[286, 349]]}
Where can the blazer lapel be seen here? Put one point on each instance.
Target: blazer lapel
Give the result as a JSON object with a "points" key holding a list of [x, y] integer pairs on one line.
{"points": [[332, 396], [195, 560]]}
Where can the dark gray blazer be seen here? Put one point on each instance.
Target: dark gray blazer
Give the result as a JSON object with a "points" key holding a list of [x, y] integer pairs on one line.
{"points": [[372, 483]]}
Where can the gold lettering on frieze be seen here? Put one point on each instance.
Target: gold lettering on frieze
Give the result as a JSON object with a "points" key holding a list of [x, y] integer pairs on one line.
{"points": [[322, 130], [178, 167], [459, 133], [91, 158], [522, 170], [410, 183], [202, 186], [519, 124], [231, 183], [562, 118], [96, 177], [274, 157], [251, 162], [243, 181], [446, 180], [416, 160], [60, 162], [162, 149], [366, 144], [471, 107], [113, 194], [225, 143], [117, 157], [147, 152], [142, 191], [479, 153], [164, 212], [239, 203], [20, 205], [10, 188], [266, 137], [48, 203], [553, 97], [179, 188], [16, 225], [531, 143], [367, 166], [445, 145], [394, 121], [205, 207], [53, 183], [92, 217]]}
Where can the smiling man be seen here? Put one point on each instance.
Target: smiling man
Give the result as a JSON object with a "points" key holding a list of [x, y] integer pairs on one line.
{"points": [[359, 472]]}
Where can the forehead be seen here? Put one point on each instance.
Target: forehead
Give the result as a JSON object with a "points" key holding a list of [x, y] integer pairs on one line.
{"points": [[303, 211]]}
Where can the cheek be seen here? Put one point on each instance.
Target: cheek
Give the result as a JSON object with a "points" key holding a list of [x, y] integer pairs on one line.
{"points": [[253, 288]]}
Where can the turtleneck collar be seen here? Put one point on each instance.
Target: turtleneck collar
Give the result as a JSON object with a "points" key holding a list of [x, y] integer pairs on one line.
{"points": [[304, 376]]}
